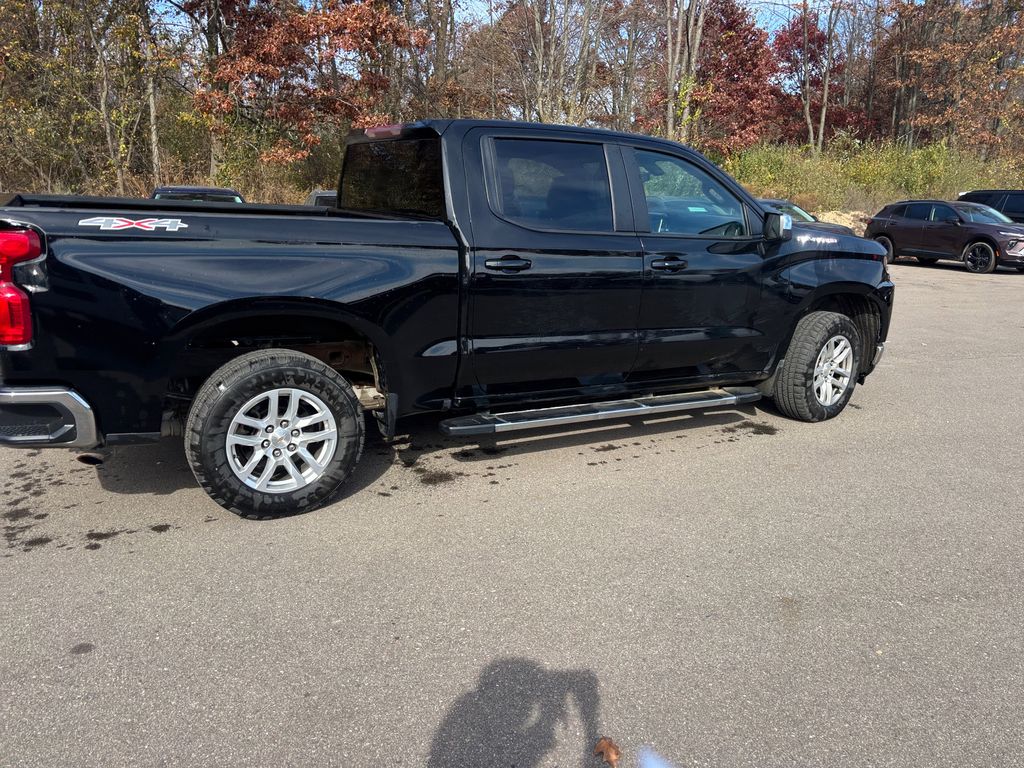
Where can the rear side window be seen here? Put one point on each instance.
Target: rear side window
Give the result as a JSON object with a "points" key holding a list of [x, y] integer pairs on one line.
{"points": [[558, 185], [402, 177], [896, 210], [1014, 205], [918, 211]]}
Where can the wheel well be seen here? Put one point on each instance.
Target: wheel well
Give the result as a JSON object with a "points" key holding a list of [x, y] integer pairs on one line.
{"points": [[981, 239], [336, 343], [864, 313]]}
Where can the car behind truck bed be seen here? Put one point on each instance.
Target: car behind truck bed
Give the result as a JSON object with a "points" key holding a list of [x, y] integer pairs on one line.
{"points": [[515, 275]]}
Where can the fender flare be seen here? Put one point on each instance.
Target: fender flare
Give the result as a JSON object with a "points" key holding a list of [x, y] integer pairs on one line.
{"points": [[177, 339]]}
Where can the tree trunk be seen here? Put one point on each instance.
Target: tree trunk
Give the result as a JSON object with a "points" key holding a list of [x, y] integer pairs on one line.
{"points": [[805, 91], [833, 16], [695, 14], [213, 36], [113, 142], [146, 34]]}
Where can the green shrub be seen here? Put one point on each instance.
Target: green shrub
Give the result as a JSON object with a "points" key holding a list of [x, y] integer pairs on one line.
{"points": [[851, 175]]}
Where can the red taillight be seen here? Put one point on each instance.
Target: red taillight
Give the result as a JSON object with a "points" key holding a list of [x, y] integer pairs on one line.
{"points": [[15, 316]]}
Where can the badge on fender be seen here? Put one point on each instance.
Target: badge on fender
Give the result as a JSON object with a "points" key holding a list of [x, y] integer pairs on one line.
{"points": [[108, 223]]}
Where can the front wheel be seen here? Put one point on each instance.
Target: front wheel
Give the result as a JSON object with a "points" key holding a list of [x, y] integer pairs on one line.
{"points": [[273, 433], [890, 252], [980, 258], [817, 377]]}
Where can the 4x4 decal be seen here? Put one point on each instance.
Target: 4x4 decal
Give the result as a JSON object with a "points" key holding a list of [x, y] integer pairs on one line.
{"points": [[148, 225]]}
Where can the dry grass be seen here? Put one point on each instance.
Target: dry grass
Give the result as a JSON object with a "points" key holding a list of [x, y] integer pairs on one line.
{"points": [[855, 220]]}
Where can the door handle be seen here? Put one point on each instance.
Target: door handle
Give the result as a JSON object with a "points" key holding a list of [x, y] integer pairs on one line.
{"points": [[508, 264], [669, 264]]}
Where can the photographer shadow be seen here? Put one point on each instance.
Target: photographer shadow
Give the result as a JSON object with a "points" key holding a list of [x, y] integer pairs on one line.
{"points": [[513, 716]]}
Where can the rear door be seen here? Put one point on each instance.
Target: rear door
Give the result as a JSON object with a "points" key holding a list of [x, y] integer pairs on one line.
{"points": [[555, 268], [908, 231], [702, 270]]}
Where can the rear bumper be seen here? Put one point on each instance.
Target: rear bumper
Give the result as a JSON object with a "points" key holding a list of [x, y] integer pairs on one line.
{"points": [[46, 417]]}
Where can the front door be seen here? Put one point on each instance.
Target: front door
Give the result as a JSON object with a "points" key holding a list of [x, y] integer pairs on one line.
{"points": [[555, 273], [943, 233], [702, 272]]}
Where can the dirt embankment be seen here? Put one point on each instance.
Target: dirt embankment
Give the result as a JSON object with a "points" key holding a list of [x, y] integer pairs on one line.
{"points": [[855, 220]]}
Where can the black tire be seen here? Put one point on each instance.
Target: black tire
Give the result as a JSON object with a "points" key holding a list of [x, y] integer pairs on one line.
{"points": [[794, 389], [890, 252], [928, 260], [238, 383], [979, 257], [1020, 269]]}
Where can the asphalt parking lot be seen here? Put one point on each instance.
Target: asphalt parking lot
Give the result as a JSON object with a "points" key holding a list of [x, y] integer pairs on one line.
{"points": [[724, 589]]}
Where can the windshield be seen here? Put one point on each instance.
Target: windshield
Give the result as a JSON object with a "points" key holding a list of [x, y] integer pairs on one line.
{"points": [[982, 214], [793, 209]]}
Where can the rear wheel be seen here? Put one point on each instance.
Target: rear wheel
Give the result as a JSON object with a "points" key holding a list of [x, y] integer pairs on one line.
{"points": [[980, 258], [274, 433], [817, 377]]}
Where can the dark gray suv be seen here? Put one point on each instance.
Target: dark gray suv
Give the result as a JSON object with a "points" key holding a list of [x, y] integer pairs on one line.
{"points": [[979, 236]]}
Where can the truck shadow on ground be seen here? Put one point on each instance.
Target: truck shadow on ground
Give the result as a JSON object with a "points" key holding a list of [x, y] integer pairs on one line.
{"points": [[161, 468], [514, 715]]}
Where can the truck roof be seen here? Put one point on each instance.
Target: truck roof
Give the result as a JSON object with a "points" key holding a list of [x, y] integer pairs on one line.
{"points": [[438, 126]]}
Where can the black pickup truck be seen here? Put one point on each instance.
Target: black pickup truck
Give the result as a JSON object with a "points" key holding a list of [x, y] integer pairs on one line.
{"points": [[514, 275]]}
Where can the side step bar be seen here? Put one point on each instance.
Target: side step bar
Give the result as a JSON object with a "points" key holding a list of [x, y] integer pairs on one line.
{"points": [[491, 423]]}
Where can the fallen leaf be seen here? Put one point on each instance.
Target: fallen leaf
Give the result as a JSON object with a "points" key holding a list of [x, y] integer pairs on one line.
{"points": [[609, 751]]}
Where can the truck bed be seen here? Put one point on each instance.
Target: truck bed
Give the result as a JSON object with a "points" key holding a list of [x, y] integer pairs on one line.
{"points": [[137, 293], [121, 204]]}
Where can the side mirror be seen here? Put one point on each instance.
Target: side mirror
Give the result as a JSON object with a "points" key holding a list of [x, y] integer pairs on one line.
{"points": [[778, 226]]}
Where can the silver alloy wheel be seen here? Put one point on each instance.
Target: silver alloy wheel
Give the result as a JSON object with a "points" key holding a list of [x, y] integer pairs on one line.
{"points": [[281, 440], [833, 371], [979, 257]]}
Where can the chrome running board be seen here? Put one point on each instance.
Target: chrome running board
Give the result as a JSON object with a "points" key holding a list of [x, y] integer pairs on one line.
{"points": [[491, 423]]}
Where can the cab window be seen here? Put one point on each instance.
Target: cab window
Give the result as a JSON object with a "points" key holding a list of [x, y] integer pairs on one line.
{"points": [[683, 199], [553, 185]]}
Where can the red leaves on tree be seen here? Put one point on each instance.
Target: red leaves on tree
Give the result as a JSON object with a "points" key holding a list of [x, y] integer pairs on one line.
{"points": [[735, 93], [302, 71]]}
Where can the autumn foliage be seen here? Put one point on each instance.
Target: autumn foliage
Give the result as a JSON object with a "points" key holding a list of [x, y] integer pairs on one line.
{"points": [[116, 95], [303, 71]]}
